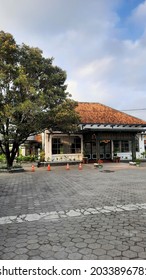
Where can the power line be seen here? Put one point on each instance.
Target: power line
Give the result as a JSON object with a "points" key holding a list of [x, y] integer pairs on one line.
{"points": [[142, 109], [87, 110]]}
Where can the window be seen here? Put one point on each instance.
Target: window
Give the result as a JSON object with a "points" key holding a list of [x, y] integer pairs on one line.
{"points": [[76, 145], [125, 146], [56, 145], [66, 145]]}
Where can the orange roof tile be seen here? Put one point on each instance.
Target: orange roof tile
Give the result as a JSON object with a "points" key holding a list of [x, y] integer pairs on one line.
{"points": [[92, 113], [38, 138]]}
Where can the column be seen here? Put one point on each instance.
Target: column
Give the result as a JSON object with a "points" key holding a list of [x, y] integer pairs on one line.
{"points": [[133, 148], [97, 149]]}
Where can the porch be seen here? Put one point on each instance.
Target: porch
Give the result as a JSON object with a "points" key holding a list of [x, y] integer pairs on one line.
{"points": [[89, 147], [110, 146]]}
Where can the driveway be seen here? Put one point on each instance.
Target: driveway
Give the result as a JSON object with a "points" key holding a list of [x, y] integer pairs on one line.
{"points": [[72, 214]]}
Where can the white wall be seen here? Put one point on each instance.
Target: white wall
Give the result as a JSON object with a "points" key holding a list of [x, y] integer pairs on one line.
{"points": [[60, 157], [141, 145], [128, 156]]}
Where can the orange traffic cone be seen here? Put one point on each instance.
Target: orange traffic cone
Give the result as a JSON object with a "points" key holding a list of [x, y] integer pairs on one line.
{"points": [[80, 166], [67, 166], [49, 167], [32, 168]]}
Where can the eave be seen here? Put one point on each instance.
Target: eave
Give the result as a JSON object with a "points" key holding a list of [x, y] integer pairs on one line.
{"points": [[116, 127]]}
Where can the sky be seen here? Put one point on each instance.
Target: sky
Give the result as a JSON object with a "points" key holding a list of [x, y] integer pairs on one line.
{"points": [[101, 44]]}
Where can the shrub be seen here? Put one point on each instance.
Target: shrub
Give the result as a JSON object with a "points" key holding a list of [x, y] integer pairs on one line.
{"points": [[42, 156], [29, 158], [138, 161], [2, 158]]}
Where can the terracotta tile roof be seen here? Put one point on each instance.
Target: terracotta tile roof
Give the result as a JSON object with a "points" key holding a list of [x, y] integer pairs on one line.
{"points": [[92, 113], [38, 138]]}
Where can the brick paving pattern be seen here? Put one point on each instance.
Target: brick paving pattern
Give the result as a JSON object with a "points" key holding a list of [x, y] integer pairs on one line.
{"points": [[87, 214]]}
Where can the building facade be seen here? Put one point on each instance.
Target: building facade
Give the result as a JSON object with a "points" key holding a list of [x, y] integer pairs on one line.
{"points": [[105, 133], [32, 146]]}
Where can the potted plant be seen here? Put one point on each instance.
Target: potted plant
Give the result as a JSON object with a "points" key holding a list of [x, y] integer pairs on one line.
{"points": [[116, 158], [138, 162], [85, 157], [143, 154]]}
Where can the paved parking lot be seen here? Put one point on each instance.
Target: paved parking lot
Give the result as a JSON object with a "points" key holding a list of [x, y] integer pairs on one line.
{"points": [[74, 214]]}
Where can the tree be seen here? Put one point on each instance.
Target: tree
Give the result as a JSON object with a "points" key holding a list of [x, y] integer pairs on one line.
{"points": [[33, 96]]}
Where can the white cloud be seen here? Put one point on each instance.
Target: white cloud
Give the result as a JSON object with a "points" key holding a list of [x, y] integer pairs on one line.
{"points": [[139, 14], [72, 87], [101, 67], [84, 38]]}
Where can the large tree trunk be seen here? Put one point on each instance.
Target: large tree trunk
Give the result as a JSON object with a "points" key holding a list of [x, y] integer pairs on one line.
{"points": [[9, 162], [10, 154]]}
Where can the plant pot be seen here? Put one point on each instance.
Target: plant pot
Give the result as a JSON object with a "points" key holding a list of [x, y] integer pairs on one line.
{"points": [[116, 159], [85, 160]]}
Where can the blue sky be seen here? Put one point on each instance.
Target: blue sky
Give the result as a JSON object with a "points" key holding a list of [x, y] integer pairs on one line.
{"points": [[100, 43]]}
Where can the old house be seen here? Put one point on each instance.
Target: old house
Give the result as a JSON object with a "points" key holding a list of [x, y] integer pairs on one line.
{"points": [[105, 133]]}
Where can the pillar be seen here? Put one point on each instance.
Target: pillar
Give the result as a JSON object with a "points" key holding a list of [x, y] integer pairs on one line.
{"points": [[97, 149], [133, 148]]}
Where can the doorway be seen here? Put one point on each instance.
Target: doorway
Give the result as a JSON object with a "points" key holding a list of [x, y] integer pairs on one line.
{"points": [[105, 149], [90, 150]]}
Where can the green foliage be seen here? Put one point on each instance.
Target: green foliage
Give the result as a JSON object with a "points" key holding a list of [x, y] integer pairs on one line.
{"points": [[2, 158], [32, 95], [64, 118], [42, 156], [143, 154], [30, 158], [138, 161]]}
